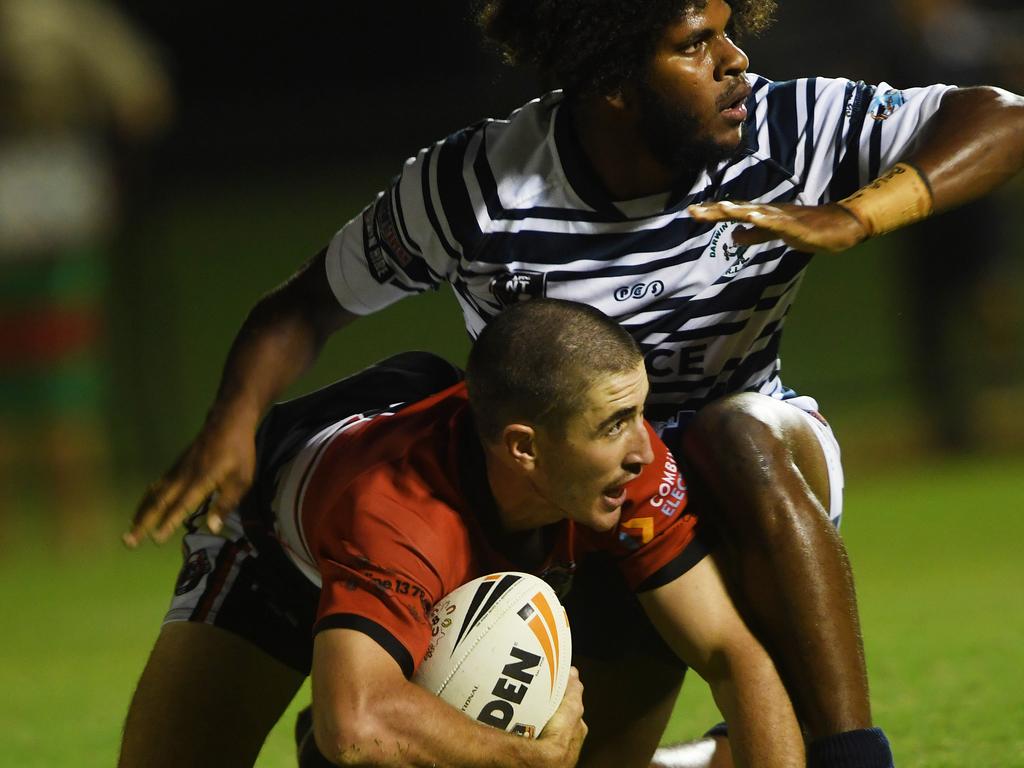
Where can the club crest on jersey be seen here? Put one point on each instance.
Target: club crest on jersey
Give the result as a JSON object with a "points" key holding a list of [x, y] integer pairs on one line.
{"points": [[512, 287], [722, 245], [884, 104], [196, 566]]}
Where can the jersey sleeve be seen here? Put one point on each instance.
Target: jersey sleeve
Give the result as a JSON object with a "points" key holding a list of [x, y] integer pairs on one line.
{"points": [[409, 239], [657, 538], [833, 136], [377, 577]]}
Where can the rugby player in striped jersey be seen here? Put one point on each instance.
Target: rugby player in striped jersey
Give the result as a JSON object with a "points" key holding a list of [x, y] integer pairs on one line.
{"points": [[666, 185]]}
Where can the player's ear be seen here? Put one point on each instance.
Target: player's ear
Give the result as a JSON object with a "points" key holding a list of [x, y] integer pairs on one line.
{"points": [[520, 444], [622, 98], [617, 100]]}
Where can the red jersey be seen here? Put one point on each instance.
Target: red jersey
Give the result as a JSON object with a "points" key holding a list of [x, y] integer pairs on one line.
{"points": [[390, 513]]}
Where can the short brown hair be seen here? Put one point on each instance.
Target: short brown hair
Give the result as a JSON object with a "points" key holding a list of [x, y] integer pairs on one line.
{"points": [[537, 359]]}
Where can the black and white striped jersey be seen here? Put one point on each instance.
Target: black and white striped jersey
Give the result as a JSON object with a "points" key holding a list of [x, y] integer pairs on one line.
{"points": [[509, 209]]}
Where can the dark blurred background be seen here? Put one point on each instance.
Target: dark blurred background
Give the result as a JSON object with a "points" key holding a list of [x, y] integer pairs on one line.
{"points": [[252, 134]]}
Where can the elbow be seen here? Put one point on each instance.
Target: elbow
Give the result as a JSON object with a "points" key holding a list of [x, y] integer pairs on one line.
{"points": [[352, 740], [984, 97], [998, 112]]}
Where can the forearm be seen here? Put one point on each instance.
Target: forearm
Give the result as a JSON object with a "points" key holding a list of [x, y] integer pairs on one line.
{"points": [[365, 713], [410, 727], [279, 340], [762, 726], [973, 143], [699, 622]]}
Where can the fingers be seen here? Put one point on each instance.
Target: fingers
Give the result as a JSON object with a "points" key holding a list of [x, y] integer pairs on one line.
{"points": [[151, 510], [566, 729], [219, 466], [753, 236], [751, 213], [171, 500], [165, 506], [225, 499], [726, 210], [175, 513]]}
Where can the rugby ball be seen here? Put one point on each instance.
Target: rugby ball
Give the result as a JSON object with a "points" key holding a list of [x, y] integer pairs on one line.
{"points": [[500, 652]]}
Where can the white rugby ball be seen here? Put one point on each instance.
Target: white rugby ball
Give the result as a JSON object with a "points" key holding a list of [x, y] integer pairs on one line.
{"points": [[500, 652]]}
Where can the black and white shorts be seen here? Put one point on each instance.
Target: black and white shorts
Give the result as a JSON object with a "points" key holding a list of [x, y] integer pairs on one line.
{"points": [[226, 581]]}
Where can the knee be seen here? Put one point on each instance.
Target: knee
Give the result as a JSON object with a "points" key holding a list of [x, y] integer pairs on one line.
{"points": [[735, 437], [742, 448]]}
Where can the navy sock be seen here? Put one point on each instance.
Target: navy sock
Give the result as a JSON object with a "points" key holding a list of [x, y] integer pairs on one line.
{"points": [[866, 748]]}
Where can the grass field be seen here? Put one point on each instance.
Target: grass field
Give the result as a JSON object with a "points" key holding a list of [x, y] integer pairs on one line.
{"points": [[936, 550]]}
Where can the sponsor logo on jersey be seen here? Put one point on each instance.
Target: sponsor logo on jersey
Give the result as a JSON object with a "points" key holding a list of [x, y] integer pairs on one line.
{"points": [[884, 104], [196, 566], [376, 258], [669, 363], [671, 489], [511, 287], [722, 245], [384, 248], [640, 290], [636, 532]]}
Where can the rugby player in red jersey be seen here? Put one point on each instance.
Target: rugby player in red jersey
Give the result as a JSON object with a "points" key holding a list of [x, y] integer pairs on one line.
{"points": [[366, 511]]}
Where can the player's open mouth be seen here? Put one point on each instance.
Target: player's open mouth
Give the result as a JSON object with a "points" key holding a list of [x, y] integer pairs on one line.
{"points": [[736, 107], [615, 495]]}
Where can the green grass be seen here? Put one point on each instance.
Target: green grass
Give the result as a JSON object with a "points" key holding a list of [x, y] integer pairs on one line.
{"points": [[936, 554]]}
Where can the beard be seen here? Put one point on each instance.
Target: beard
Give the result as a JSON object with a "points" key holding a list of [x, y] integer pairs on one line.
{"points": [[675, 137]]}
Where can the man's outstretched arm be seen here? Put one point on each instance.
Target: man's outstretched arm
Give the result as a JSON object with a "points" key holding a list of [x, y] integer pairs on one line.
{"points": [[366, 713], [971, 145], [696, 617], [278, 341]]}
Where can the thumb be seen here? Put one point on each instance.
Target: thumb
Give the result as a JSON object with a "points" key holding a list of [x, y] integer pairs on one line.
{"points": [[223, 502]]}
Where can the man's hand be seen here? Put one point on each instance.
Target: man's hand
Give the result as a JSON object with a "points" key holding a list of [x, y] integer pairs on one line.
{"points": [[566, 730], [219, 462], [809, 228]]}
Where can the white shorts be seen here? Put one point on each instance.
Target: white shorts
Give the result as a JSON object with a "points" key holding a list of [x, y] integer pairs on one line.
{"points": [[808, 406], [670, 430]]}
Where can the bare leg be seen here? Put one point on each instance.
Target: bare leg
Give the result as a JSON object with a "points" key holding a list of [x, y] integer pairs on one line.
{"points": [[766, 475], [206, 698]]}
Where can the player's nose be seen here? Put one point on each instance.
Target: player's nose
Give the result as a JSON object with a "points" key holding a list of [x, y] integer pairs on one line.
{"points": [[640, 451], [733, 61]]}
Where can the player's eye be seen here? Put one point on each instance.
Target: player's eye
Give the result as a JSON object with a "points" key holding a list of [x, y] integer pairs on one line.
{"points": [[617, 427]]}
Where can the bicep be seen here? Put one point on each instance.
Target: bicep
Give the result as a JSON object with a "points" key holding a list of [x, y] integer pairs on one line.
{"points": [[350, 674], [347, 665]]}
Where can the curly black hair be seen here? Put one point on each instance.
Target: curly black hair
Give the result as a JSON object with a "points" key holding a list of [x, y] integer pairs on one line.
{"points": [[594, 46]]}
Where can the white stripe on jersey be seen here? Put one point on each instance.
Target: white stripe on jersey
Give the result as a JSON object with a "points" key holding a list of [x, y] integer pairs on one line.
{"points": [[509, 209], [290, 493]]}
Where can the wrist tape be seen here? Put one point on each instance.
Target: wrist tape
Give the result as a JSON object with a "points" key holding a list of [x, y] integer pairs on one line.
{"points": [[899, 197]]}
